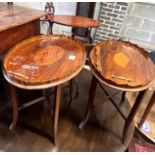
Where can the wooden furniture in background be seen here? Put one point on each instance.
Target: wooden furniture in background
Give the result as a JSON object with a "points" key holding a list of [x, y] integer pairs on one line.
{"points": [[147, 110], [43, 62], [146, 121], [17, 23], [113, 64], [75, 21], [84, 9], [123, 63], [145, 116], [49, 7]]}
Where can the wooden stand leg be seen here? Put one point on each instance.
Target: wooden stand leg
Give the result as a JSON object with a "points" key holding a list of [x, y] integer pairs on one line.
{"points": [[92, 92], [51, 108], [123, 98], [15, 107], [70, 92], [147, 110], [77, 88], [132, 114], [56, 113]]}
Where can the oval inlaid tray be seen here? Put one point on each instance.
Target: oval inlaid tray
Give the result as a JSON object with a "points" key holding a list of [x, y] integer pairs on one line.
{"points": [[122, 63], [44, 59]]}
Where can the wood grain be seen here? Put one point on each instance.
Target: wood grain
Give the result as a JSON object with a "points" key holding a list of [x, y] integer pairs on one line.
{"points": [[75, 21], [12, 16], [44, 59], [122, 63], [17, 23], [13, 35]]}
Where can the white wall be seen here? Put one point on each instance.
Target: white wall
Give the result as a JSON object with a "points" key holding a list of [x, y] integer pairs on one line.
{"points": [[33, 5], [64, 8], [68, 8]]}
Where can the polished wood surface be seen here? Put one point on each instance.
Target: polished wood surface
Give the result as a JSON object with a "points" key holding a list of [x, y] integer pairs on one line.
{"points": [[12, 16], [14, 35], [113, 85], [43, 62], [75, 21], [44, 59], [106, 59], [17, 23], [122, 63]]}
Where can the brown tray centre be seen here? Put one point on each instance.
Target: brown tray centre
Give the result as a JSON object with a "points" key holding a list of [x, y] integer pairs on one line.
{"points": [[48, 55]]}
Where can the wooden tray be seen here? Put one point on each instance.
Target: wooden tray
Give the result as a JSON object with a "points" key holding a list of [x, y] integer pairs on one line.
{"points": [[122, 63], [44, 59], [75, 21]]}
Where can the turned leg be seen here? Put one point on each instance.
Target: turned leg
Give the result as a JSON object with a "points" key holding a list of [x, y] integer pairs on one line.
{"points": [[92, 92], [132, 114], [56, 113], [15, 107], [123, 98], [147, 110]]}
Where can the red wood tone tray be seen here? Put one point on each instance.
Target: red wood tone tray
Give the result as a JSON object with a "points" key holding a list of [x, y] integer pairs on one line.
{"points": [[122, 63], [75, 21], [44, 59]]}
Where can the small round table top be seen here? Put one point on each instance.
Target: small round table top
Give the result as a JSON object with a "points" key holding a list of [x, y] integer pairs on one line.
{"points": [[122, 65], [75, 21], [43, 61]]}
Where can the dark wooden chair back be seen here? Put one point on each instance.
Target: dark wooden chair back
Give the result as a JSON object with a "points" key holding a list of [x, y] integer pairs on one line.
{"points": [[87, 10]]}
